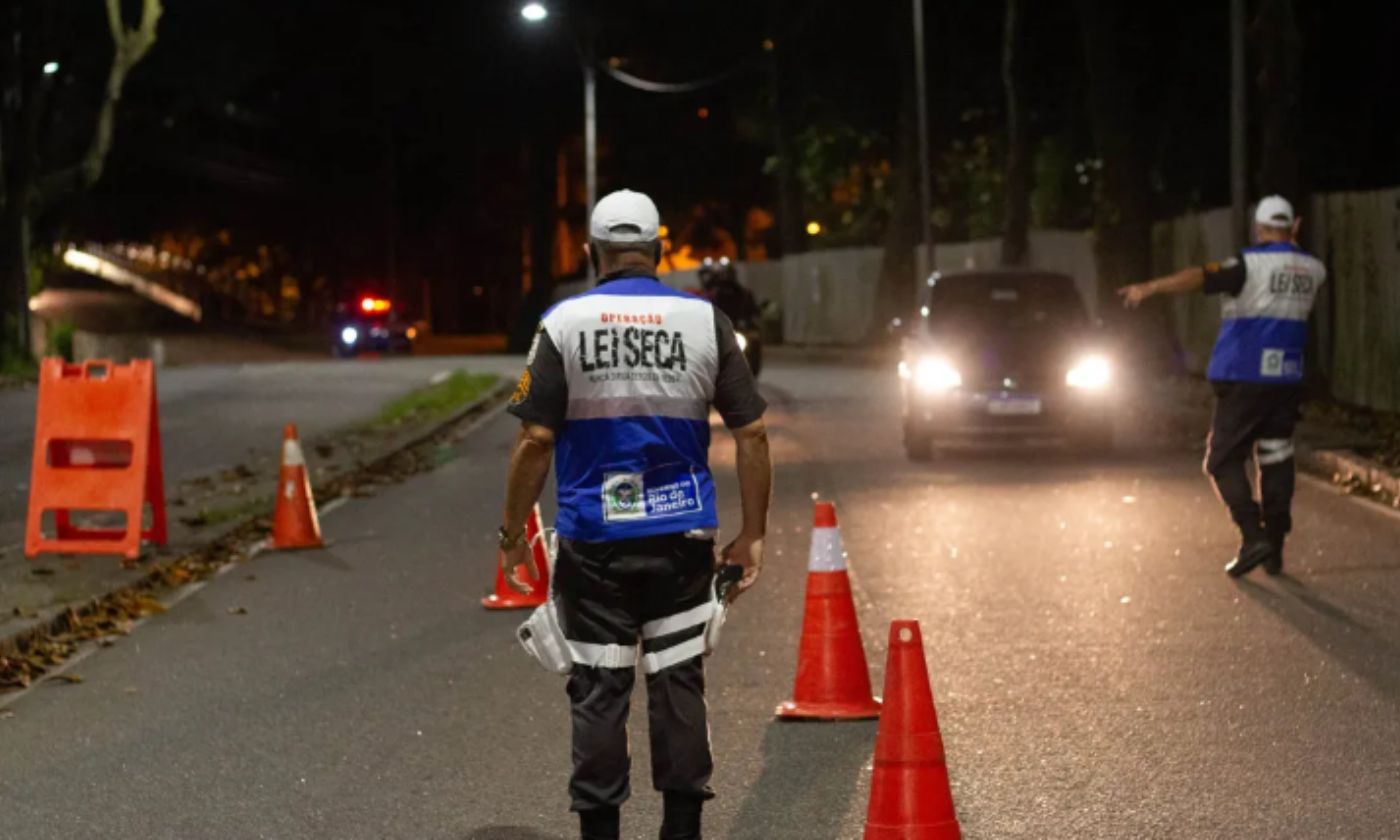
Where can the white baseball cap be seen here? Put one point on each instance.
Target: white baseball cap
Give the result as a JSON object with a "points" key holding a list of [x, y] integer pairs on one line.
{"points": [[625, 216], [1275, 212]]}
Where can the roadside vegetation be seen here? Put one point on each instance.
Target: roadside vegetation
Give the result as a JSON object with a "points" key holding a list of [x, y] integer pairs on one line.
{"points": [[435, 401]]}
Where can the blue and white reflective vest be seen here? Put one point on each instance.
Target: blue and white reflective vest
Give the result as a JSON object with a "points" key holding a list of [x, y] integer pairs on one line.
{"points": [[641, 361], [1265, 327]]}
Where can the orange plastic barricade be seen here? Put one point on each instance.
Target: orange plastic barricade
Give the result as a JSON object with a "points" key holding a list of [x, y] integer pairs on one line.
{"points": [[97, 456]]}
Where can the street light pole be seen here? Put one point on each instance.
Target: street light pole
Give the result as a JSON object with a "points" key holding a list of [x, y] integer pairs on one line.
{"points": [[536, 12], [921, 93], [1238, 127], [590, 125]]}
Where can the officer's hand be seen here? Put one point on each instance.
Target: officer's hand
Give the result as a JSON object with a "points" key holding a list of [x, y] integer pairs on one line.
{"points": [[1134, 295], [745, 551], [511, 561]]}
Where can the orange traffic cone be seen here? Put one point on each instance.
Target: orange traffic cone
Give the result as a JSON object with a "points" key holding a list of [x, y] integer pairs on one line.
{"points": [[507, 598], [294, 523], [909, 794], [833, 681]]}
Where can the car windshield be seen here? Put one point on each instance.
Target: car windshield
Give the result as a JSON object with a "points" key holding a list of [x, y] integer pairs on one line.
{"points": [[1003, 302]]}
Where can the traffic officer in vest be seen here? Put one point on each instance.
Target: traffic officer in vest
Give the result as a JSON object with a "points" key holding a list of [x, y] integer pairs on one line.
{"points": [[618, 389], [1256, 371]]}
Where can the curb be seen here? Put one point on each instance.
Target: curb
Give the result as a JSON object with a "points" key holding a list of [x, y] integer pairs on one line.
{"points": [[1342, 466], [232, 543]]}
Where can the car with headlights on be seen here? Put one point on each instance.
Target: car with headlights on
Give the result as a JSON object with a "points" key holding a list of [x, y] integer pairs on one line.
{"points": [[1003, 354]]}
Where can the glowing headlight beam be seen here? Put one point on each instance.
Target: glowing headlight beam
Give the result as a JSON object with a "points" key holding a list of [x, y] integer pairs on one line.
{"points": [[349, 336], [935, 375], [1092, 373]]}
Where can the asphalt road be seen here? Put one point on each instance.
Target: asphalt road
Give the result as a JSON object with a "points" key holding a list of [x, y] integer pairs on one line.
{"points": [[213, 416], [1097, 675]]}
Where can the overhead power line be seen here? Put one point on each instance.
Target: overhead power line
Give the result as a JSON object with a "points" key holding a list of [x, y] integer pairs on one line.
{"points": [[650, 86]]}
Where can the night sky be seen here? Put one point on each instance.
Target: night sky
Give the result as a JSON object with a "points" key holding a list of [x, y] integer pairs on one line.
{"points": [[419, 137]]}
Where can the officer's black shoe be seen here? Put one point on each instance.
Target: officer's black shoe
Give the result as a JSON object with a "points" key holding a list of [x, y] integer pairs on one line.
{"points": [[681, 820], [1252, 553], [600, 824], [1276, 536]]}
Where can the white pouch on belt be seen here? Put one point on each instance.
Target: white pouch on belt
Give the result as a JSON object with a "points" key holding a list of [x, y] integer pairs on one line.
{"points": [[543, 638], [727, 576], [715, 626]]}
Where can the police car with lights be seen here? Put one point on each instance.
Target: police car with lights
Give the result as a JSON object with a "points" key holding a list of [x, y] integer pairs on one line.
{"points": [[370, 324]]}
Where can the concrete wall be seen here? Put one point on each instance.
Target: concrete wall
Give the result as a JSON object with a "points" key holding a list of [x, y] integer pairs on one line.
{"points": [[119, 348], [828, 297]]}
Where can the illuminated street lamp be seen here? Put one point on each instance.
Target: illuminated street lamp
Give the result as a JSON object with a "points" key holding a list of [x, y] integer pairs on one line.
{"points": [[535, 13], [50, 68]]}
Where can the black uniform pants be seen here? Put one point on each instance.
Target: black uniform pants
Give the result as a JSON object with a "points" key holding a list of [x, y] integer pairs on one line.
{"points": [[1255, 419], [611, 597]]}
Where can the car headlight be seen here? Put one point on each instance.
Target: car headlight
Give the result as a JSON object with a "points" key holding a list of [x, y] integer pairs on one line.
{"points": [[349, 335], [743, 342], [932, 375], [1092, 373]]}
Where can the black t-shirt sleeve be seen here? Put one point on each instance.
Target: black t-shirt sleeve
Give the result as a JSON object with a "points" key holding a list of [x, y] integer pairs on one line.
{"points": [[1225, 278], [542, 394], [736, 394]]}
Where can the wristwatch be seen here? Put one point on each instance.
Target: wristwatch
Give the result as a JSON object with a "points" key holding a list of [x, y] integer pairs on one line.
{"points": [[506, 540]]}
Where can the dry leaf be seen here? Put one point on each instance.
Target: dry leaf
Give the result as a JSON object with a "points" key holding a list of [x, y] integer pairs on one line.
{"points": [[71, 679], [237, 610]]}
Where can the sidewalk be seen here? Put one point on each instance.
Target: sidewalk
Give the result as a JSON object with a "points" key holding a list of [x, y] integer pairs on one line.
{"points": [[212, 518], [1357, 449]]}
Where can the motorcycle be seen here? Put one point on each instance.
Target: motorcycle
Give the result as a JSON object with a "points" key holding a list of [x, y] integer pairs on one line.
{"points": [[721, 285], [751, 343]]}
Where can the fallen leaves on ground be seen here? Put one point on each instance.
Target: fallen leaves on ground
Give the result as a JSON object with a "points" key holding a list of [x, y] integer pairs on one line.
{"points": [[71, 679], [237, 473], [237, 610]]}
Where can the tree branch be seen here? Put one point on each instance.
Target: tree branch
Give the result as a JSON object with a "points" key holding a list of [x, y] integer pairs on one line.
{"points": [[129, 47]]}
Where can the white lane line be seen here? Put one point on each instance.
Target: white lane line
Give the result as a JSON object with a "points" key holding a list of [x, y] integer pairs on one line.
{"points": [[1369, 504], [332, 506]]}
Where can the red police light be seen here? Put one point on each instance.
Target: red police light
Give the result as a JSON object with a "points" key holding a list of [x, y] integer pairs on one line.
{"points": [[373, 305]]}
